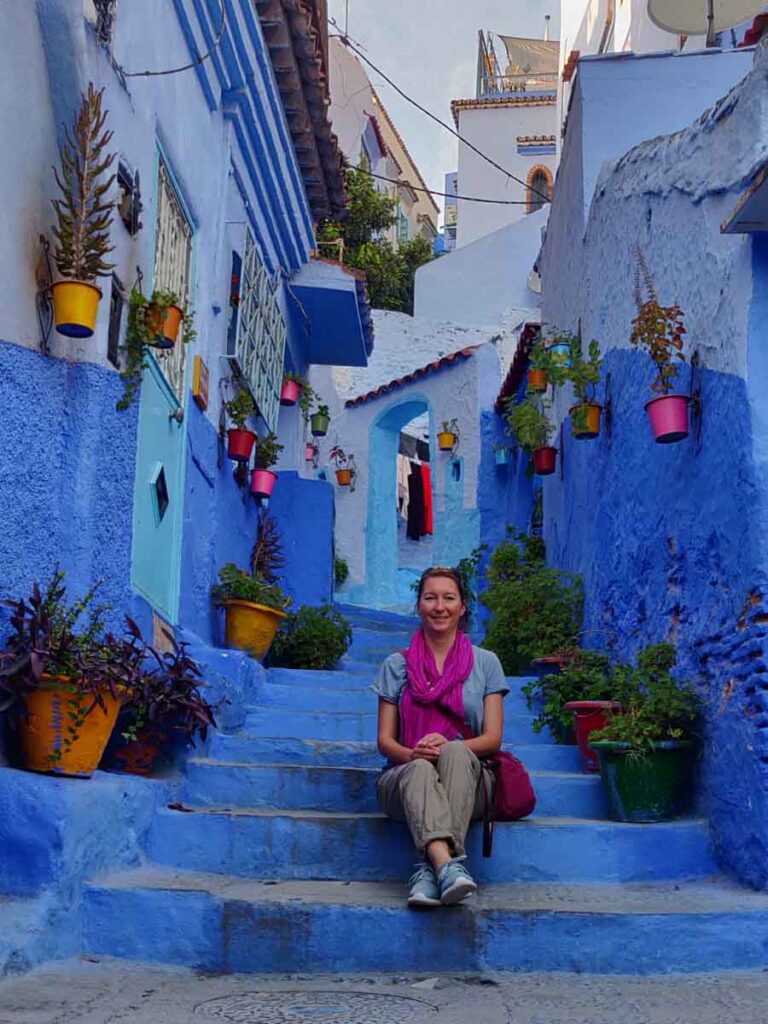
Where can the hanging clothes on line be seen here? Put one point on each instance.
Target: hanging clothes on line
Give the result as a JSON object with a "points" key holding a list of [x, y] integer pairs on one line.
{"points": [[427, 489], [401, 491], [415, 528]]}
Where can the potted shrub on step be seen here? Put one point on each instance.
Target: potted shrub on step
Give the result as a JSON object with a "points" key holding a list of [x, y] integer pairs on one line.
{"points": [[84, 217], [240, 439], [266, 453], [319, 421], [584, 374], [253, 609], [659, 330], [532, 429], [311, 638], [647, 752]]}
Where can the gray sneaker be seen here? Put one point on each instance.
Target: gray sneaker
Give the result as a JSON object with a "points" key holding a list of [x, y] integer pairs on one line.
{"points": [[454, 882], [423, 887]]}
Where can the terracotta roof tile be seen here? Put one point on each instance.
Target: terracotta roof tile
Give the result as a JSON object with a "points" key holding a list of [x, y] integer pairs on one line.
{"points": [[528, 335], [438, 364], [525, 100]]}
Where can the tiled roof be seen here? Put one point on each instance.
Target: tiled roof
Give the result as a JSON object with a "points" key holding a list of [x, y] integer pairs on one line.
{"points": [[519, 365], [526, 100], [438, 364]]}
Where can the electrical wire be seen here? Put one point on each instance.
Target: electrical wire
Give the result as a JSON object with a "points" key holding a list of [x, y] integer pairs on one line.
{"points": [[184, 67], [445, 195], [348, 42]]}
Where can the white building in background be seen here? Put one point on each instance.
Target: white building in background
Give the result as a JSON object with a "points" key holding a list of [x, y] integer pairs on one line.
{"points": [[365, 129], [512, 119]]}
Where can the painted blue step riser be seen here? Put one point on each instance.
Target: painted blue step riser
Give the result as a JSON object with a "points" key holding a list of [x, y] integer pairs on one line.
{"points": [[307, 697], [229, 936], [250, 749], [272, 721], [378, 621], [376, 849], [354, 790]]}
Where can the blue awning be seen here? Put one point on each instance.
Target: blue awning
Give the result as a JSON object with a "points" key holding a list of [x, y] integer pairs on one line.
{"points": [[333, 320]]}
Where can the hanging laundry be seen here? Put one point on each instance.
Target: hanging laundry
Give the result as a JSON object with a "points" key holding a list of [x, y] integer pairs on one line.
{"points": [[401, 494], [415, 528], [427, 488]]}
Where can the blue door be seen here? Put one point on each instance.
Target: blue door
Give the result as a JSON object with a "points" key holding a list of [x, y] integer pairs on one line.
{"points": [[158, 497]]}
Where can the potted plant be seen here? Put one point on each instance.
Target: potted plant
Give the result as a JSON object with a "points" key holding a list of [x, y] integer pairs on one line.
{"points": [[559, 351], [67, 682], [240, 439], [266, 453], [539, 361], [532, 429], [149, 325], [647, 752], [296, 388], [659, 329], [447, 435], [163, 704], [502, 454], [310, 452], [599, 691], [311, 638], [164, 317], [253, 609], [344, 466], [319, 421], [584, 374], [83, 219], [340, 571]]}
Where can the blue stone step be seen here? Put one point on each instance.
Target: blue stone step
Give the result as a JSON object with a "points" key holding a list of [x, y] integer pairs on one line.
{"points": [[346, 725], [256, 843], [299, 787], [373, 619], [252, 749], [229, 925]]}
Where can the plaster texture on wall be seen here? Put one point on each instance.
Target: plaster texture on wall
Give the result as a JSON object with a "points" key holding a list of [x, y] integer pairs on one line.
{"points": [[484, 282], [670, 539]]}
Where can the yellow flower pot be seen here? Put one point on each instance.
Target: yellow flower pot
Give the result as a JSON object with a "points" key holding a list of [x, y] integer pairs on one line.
{"points": [[75, 305], [250, 627], [445, 440]]}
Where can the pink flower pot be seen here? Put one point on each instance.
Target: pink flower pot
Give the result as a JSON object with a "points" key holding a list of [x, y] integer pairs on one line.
{"points": [[289, 393], [309, 452], [262, 482], [240, 444], [669, 418]]}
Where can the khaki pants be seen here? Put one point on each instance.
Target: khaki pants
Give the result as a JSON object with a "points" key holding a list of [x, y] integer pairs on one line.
{"points": [[438, 801]]}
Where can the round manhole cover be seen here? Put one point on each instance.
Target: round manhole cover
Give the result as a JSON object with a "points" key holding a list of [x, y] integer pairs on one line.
{"points": [[313, 1008]]}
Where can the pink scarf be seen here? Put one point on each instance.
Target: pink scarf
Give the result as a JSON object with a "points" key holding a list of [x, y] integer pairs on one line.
{"points": [[431, 702]]}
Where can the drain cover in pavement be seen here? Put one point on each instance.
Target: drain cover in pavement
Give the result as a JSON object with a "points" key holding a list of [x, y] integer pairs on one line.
{"points": [[313, 1008]]}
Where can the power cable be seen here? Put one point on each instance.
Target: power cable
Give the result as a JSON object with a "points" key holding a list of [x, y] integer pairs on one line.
{"points": [[445, 195], [184, 67], [348, 42]]}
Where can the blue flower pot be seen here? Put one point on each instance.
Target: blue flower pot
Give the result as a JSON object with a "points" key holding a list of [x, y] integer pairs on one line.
{"points": [[502, 456]]}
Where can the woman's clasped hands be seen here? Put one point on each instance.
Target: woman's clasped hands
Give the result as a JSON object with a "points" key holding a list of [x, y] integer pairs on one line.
{"points": [[428, 747]]}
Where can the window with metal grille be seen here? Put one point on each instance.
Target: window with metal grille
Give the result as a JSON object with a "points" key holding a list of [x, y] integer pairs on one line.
{"points": [[259, 336], [173, 256]]}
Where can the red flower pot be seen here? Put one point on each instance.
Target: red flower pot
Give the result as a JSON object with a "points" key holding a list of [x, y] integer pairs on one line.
{"points": [[240, 444], [289, 392], [262, 482], [544, 460], [589, 716], [668, 415]]}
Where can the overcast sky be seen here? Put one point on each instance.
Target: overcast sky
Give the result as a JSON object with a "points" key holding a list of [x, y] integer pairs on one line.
{"points": [[429, 47]]}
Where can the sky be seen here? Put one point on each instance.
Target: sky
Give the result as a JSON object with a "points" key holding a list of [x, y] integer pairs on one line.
{"points": [[429, 47]]}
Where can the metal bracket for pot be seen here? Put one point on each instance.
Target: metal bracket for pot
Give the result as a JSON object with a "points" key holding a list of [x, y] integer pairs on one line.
{"points": [[695, 400], [43, 295]]}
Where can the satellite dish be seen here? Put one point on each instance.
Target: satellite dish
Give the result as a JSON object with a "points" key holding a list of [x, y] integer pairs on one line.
{"points": [[695, 17]]}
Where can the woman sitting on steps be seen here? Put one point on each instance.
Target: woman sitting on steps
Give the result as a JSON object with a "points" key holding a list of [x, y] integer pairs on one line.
{"points": [[430, 697]]}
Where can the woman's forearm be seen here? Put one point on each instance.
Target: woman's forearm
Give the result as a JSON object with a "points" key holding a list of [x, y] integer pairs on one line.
{"points": [[394, 751], [485, 743]]}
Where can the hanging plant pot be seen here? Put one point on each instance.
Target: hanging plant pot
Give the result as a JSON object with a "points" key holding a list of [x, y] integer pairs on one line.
{"points": [[544, 460], [309, 452], [587, 420], [537, 380], [668, 415], [262, 482], [589, 716], [289, 392], [319, 424], [75, 305], [250, 627], [502, 456], [47, 743], [657, 785], [446, 439], [165, 330], [343, 477], [562, 350], [240, 444]]}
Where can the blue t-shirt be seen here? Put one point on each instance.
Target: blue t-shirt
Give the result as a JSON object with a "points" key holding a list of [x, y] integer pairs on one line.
{"points": [[487, 676]]}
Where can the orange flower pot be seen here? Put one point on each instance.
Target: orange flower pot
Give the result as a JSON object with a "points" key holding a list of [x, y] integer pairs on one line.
{"points": [[537, 380], [166, 330], [589, 425]]}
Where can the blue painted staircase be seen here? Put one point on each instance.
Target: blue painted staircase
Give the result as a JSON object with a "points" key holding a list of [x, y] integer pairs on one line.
{"points": [[276, 859]]}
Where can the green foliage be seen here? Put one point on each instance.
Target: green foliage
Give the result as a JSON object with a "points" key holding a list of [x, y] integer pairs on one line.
{"points": [[321, 410], [311, 638], [535, 610], [583, 373], [656, 707], [541, 357], [467, 571], [84, 214], [238, 585], [529, 423], [266, 451], [306, 393], [240, 408], [145, 318], [340, 570], [656, 328]]}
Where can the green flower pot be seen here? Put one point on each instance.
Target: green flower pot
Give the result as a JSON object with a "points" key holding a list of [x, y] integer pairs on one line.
{"points": [[654, 786], [319, 424]]}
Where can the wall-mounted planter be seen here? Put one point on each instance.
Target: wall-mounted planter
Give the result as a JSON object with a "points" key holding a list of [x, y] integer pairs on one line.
{"points": [[588, 717], [655, 786], [446, 439], [537, 380], [166, 331], [343, 477], [668, 415], [309, 452], [250, 627], [502, 456], [75, 306], [289, 392], [262, 482], [562, 350], [587, 420], [544, 460], [318, 424], [240, 444]]}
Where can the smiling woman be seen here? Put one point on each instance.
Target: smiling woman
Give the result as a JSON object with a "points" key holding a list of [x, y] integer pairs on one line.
{"points": [[440, 712]]}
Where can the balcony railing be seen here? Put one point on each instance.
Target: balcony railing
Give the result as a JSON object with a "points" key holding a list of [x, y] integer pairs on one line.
{"points": [[504, 85]]}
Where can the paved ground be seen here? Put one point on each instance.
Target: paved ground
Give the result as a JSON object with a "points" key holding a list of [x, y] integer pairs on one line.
{"points": [[90, 991]]}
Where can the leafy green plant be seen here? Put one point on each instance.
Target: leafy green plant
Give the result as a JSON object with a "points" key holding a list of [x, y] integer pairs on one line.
{"points": [[541, 357], [321, 410], [534, 609], [529, 423], [238, 585], [340, 570], [583, 373], [657, 329], [240, 407], [311, 638], [448, 426], [266, 451], [143, 326], [307, 394], [83, 213]]}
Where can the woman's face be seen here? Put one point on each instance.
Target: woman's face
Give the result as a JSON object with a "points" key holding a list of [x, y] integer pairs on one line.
{"points": [[440, 606]]}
